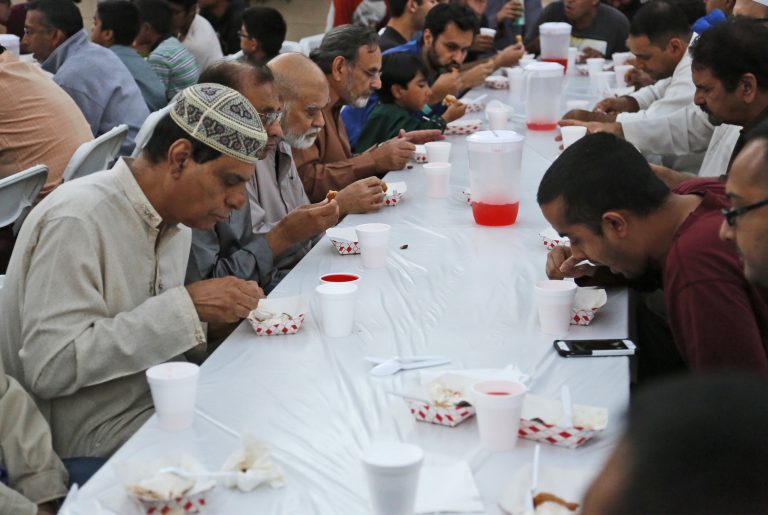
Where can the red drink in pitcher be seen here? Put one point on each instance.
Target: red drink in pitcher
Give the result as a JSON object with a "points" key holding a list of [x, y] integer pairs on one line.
{"points": [[564, 62], [495, 214], [533, 126]]}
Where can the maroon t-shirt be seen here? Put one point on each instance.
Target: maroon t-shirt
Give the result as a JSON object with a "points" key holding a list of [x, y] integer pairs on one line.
{"points": [[719, 320]]}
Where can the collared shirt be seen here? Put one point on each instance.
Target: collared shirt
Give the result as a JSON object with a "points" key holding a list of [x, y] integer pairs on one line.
{"points": [[329, 164], [35, 474], [92, 298], [26, 137], [174, 65], [152, 88], [274, 191], [202, 42], [232, 248], [390, 38], [101, 86]]}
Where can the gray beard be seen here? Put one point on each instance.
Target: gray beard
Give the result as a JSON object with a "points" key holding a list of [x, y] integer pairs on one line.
{"points": [[302, 141]]}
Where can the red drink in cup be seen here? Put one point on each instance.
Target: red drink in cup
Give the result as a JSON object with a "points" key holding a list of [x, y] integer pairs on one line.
{"points": [[339, 278]]}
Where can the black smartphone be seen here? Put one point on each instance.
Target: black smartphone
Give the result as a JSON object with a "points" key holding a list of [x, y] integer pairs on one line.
{"points": [[587, 348]]}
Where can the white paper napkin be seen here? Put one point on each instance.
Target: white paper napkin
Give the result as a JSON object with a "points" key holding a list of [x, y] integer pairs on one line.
{"points": [[447, 487]]}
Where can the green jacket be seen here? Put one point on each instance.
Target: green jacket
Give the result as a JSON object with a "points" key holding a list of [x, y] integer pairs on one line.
{"points": [[385, 123]]}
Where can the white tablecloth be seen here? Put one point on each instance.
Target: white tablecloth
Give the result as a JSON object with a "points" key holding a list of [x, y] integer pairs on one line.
{"points": [[459, 289]]}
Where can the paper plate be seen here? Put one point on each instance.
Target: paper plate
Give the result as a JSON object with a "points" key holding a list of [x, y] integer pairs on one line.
{"points": [[288, 316], [344, 240], [463, 127], [395, 193]]}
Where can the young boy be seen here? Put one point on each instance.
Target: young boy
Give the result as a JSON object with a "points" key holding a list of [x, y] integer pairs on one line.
{"points": [[402, 102]]}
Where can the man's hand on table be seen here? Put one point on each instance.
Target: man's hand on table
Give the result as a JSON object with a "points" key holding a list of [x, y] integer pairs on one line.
{"points": [[445, 84], [393, 154], [638, 78], [588, 53], [475, 76], [561, 264], [510, 56], [422, 136], [225, 299], [301, 224], [361, 196], [482, 44], [616, 105], [583, 115]]}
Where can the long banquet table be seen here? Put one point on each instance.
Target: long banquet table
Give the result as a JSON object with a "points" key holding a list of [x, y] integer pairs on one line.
{"points": [[458, 289]]}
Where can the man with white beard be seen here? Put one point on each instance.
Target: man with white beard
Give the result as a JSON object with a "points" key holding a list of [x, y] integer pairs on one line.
{"points": [[275, 190], [350, 60]]}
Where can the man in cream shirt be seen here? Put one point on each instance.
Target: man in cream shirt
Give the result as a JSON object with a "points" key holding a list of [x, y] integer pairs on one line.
{"points": [[94, 293]]}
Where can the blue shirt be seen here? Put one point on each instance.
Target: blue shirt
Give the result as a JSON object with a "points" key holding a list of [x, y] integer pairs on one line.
{"points": [[101, 86], [354, 118], [149, 83]]}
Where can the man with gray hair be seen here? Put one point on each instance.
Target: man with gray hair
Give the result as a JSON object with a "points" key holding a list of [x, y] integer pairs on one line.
{"points": [[350, 58], [95, 293]]}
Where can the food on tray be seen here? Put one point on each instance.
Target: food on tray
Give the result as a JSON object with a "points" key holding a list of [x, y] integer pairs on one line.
{"points": [[383, 186], [449, 100], [161, 487], [548, 500], [331, 195]]}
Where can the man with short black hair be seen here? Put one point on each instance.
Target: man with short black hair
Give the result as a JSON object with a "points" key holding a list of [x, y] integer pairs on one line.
{"points": [[95, 78], [632, 225], [115, 26], [350, 58], [172, 62], [406, 19], [261, 35], [598, 30], [195, 32]]}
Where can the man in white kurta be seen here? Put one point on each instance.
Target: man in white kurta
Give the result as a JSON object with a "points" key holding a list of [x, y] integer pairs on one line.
{"points": [[94, 293]]}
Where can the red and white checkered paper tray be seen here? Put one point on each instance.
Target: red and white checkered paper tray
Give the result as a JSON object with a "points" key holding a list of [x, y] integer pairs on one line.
{"points": [[497, 82], [343, 239], [474, 105], [419, 155], [165, 493], [552, 239], [441, 401], [463, 127], [541, 416], [586, 304], [278, 316], [395, 193]]}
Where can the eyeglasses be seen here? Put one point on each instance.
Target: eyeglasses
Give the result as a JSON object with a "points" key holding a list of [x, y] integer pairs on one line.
{"points": [[270, 118], [32, 32], [244, 35], [732, 214]]}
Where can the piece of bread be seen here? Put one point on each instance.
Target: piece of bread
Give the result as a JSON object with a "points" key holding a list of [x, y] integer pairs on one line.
{"points": [[449, 100], [518, 39], [383, 186], [331, 195]]}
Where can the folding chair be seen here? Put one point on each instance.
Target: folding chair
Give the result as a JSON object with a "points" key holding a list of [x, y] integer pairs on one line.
{"points": [[309, 43], [96, 155], [290, 46], [18, 193], [147, 129]]}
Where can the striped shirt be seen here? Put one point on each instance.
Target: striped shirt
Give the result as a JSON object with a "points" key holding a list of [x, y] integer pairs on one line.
{"points": [[175, 66]]}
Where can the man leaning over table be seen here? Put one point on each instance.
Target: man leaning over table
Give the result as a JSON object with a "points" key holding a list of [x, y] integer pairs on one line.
{"points": [[638, 231], [730, 74], [231, 247], [94, 293], [95, 78], [350, 58], [659, 36]]}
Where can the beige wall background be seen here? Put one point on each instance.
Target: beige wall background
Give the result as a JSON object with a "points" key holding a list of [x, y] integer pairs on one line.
{"points": [[303, 17]]}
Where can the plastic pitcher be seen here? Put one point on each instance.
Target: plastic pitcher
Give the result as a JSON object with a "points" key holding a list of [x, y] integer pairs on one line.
{"points": [[495, 164], [544, 84], [555, 38]]}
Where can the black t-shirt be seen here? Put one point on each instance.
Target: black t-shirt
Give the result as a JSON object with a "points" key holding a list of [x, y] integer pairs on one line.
{"points": [[390, 38], [607, 33]]}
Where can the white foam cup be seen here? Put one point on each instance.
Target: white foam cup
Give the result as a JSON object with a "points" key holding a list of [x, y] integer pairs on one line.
{"points": [[497, 117], [337, 308], [174, 391], [553, 301], [438, 176], [392, 470], [438, 151], [595, 65], [621, 73], [372, 240], [619, 58], [499, 405], [485, 31], [571, 134]]}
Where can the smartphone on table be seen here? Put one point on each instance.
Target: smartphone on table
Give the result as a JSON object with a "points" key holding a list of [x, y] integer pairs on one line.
{"points": [[594, 348]]}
